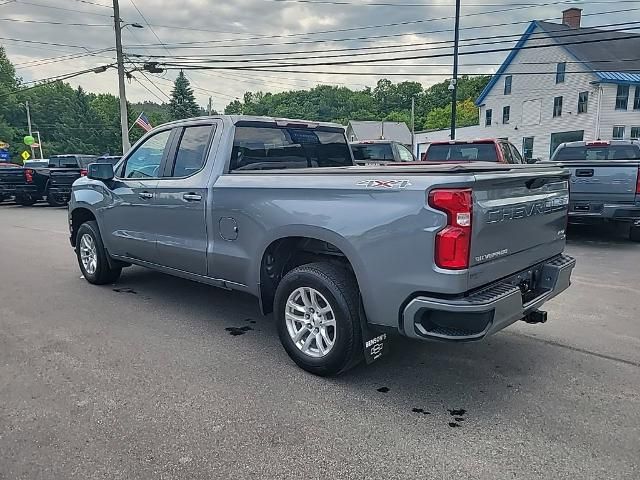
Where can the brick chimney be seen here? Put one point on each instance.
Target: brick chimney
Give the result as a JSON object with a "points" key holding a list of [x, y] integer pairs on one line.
{"points": [[571, 17]]}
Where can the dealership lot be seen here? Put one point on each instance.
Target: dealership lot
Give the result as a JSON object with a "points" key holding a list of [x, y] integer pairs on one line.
{"points": [[144, 379]]}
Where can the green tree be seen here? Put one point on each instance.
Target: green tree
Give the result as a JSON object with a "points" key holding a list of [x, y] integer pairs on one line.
{"points": [[440, 118], [183, 103]]}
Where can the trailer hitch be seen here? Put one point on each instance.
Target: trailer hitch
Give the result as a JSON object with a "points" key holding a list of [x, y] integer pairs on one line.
{"points": [[536, 316]]}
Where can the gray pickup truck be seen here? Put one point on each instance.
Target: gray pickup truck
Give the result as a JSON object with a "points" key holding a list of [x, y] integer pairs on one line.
{"points": [[342, 254], [605, 181]]}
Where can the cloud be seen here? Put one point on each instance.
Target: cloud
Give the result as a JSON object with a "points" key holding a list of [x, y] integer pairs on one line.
{"points": [[228, 26]]}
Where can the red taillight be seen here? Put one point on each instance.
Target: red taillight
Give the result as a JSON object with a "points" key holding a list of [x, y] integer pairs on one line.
{"points": [[83, 172], [454, 241], [28, 175], [638, 183]]}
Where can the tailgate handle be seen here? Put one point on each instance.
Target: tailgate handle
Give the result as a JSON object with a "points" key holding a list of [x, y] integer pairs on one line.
{"points": [[584, 172], [536, 182]]}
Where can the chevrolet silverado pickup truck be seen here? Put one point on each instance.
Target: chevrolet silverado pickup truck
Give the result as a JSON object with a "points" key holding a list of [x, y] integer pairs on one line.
{"points": [[380, 152], [605, 181], [342, 255], [54, 181]]}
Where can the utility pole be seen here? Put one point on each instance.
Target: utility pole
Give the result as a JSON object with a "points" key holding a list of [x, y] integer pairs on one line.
{"points": [[26, 105], [454, 81], [210, 108], [124, 118], [413, 124]]}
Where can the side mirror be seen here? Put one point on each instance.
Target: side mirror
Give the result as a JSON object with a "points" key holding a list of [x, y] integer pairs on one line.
{"points": [[100, 171]]}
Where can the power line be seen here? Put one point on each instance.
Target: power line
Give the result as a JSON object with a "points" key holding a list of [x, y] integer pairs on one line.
{"points": [[94, 3], [46, 22], [418, 57], [199, 44], [147, 89], [47, 61], [203, 89], [40, 5], [421, 5], [508, 38]]}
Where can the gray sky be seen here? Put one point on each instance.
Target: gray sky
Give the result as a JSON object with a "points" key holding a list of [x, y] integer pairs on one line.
{"points": [[230, 27]]}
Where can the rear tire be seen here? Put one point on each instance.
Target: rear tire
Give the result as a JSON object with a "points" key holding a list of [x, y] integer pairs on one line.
{"points": [[54, 201], [634, 233], [26, 200], [317, 316], [92, 256]]}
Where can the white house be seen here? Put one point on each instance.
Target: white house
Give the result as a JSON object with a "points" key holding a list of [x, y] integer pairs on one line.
{"points": [[584, 84]]}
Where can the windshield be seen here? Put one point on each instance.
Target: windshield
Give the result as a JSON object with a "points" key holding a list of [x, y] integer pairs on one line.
{"points": [[598, 152], [372, 151], [468, 152], [260, 148]]}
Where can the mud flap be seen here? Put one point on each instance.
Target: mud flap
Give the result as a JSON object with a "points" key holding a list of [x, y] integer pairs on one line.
{"points": [[374, 344]]}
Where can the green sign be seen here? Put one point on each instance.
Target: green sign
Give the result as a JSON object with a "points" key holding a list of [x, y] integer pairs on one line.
{"points": [[29, 140]]}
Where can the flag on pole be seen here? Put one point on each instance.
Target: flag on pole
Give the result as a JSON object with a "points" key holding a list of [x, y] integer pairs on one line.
{"points": [[143, 122]]}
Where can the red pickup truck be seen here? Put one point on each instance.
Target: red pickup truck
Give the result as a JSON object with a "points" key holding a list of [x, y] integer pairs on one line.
{"points": [[486, 150]]}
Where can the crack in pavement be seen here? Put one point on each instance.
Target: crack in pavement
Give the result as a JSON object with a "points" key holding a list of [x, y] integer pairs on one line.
{"points": [[577, 349]]}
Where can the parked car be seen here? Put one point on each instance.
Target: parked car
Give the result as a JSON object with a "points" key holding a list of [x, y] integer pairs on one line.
{"points": [[380, 152], [487, 150], [342, 254], [54, 181], [17, 182], [605, 182]]}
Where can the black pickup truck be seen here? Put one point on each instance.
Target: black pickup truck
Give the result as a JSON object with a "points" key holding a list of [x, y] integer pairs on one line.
{"points": [[54, 182], [17, 182]]}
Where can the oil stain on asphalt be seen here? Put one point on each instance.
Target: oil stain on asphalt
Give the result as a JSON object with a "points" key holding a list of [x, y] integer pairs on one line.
{"points": [[125, 290], [235, 331]]}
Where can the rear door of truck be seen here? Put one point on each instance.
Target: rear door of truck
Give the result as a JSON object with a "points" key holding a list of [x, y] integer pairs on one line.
{"points": [[519, 220], [600, 173]]}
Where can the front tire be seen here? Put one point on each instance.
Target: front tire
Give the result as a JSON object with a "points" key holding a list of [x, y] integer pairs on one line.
{"points": [[92, 256], [317, 315]]}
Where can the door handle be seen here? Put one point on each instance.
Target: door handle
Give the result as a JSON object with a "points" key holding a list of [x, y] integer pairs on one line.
{"points": [[146, 195], [192, 197], [584, 172]]}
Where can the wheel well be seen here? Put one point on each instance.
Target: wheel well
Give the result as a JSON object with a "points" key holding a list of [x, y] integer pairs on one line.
{"points": [[285, 254], [78, 217]]}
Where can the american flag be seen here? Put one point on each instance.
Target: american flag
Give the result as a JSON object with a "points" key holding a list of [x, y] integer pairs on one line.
{"points": [[143, 122]]}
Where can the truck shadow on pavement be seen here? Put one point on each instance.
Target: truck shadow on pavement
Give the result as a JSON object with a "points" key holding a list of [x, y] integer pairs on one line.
{"points": [[423, 379], [599, 234]]}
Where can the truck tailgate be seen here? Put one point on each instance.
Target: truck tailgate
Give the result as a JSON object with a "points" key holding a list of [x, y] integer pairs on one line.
{"points": [[518, 220], [613, 181]]}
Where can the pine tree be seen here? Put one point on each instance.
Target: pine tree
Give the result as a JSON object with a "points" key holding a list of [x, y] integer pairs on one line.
{"points": [[183, 103]]}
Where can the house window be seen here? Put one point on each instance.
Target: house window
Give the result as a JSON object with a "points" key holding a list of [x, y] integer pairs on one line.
{"points": [[618, 132], [506, 111], [508, 80], [527, 148], [635, 133], [622, 97], [636, 99], [487, 117], [561, 68], [583, 102], [557, 106]]}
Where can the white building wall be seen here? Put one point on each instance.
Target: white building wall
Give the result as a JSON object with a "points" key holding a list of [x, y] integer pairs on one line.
{"points": [[534, 83], [610, 117]]}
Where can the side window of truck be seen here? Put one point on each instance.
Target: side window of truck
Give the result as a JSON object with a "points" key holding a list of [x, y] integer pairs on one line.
{"points": [[145, 161], [264, 148], [192, 150], [404, 153]]}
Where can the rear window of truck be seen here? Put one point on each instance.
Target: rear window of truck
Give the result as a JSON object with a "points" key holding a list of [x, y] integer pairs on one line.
{"points": [[265, 148], [599, 152], [468, 152], [63, 162], [372, 151]]}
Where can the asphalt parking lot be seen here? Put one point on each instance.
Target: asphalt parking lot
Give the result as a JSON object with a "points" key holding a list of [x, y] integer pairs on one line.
{"points": [[141, 380]]}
